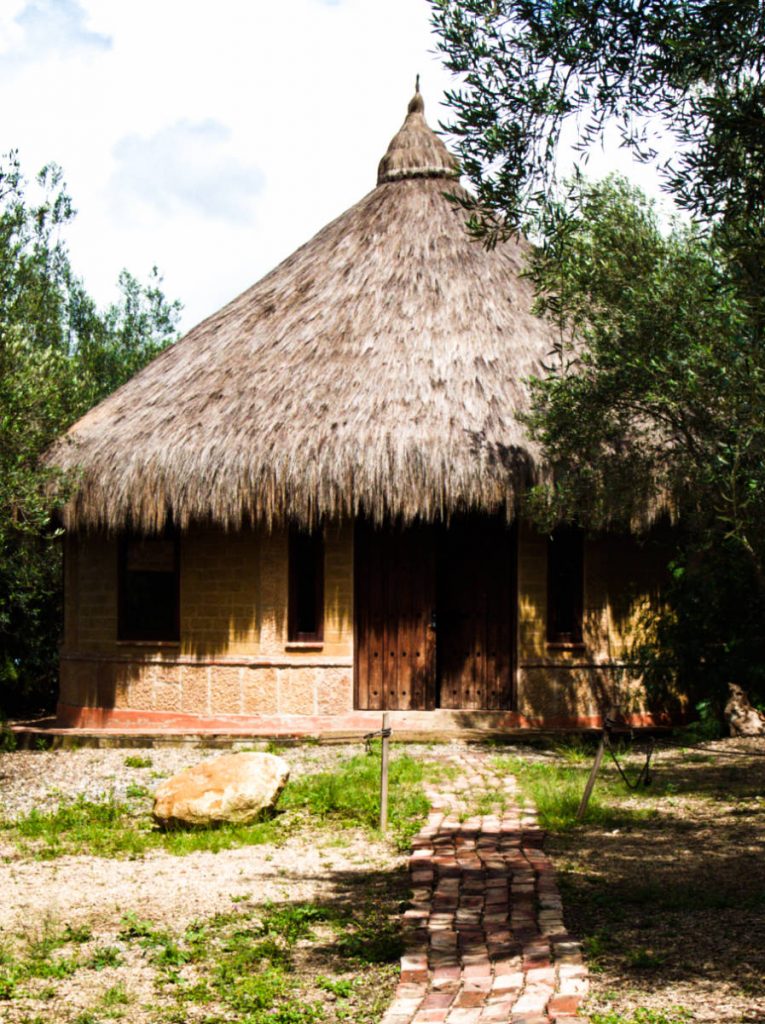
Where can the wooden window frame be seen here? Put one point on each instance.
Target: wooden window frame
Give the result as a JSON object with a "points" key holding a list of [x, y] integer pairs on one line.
{"points": [[125, 634], [556, 637], [294, 634]]}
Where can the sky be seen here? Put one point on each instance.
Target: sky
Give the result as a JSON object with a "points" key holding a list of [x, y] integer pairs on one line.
{"points": [[211, 139]]}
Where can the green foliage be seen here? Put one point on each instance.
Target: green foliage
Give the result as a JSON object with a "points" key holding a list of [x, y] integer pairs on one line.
{"points": [[7, 738], [642, 959], [373, 939], [78, 933], [37, 959], [245, 962], [58, 356], [660, 400], [682, 73], [104, 956], [349, 794], [352, 794], [643, 1015], [136, 761], [116, 995], [708, 632], [556, 790], [342, 987], [109, 828]]}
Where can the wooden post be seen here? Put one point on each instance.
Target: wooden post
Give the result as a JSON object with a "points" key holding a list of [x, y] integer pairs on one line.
{"points": [[591, 781], [384, 773]]}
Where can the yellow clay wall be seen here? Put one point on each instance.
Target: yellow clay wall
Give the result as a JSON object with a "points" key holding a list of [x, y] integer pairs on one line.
{"points": [[621, 580], [234, 656]]}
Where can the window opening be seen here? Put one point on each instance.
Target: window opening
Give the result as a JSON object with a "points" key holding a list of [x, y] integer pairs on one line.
{"points": [[149, 591], [306, 586], [565, 585]]}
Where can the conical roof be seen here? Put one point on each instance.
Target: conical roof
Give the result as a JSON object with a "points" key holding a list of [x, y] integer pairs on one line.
{"points": [[378, 370]]}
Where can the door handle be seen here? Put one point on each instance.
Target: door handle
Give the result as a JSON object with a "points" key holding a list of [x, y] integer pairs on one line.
{"points": [[432, 624]]}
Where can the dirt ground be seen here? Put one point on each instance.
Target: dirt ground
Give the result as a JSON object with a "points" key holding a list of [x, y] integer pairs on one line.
{"points": [[672, 907], [670, 901], [319, 868]]}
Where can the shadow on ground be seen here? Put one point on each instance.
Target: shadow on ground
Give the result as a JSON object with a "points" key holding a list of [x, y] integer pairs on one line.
{"points": [[672, 906]]}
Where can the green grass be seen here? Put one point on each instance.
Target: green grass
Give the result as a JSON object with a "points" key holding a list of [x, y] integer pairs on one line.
{"points": [[243, 962], [104, 956], [136, 761], [112, 828], [643, 1015], [347, 795], [116, 995], [556, 789], [351, 793], [38, 958]]}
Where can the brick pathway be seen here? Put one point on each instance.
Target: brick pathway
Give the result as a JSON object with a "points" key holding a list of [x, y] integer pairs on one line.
{"points": [[485, 940]]}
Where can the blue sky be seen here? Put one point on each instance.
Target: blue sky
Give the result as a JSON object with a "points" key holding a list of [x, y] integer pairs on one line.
{"points": [[209, 139]]}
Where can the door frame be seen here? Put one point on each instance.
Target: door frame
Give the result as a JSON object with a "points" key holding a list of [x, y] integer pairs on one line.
{"points": [[435, 686]]}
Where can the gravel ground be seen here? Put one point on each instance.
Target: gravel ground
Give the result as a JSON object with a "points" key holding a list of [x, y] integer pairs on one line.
{"points": [[345, 867], [41, 779], [86, 889], [672, 909]]}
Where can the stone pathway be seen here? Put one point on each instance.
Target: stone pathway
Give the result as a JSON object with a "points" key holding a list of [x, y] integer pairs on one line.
{"points": [[485, 940]]}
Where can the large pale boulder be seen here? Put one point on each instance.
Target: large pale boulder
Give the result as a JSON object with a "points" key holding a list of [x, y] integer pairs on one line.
{"points": [[742, 718], [232, 788]]}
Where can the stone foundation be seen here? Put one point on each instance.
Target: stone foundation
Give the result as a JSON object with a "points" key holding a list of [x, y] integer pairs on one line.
{"points": [[209, 689]]}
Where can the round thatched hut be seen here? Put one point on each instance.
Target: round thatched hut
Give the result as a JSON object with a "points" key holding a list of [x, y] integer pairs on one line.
{"points": [[307, 505]]}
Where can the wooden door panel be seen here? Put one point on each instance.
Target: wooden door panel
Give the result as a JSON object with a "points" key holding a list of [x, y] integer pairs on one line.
{"points": [[475, 615], [395, 598]]}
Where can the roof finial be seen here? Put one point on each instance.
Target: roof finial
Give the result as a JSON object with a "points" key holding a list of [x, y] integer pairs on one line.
{"points": [[416, 104], [415, 151]]}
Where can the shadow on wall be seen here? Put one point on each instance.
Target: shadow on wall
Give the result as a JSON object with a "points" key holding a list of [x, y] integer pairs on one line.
{"points": [[233, 588], [234, 591], [624, 576], [233, 605]]}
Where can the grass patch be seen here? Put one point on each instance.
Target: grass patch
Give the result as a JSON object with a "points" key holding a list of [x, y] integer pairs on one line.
{"points": [[348, 795], [37, 959], [112, 828], [104, 956], [241, 966], [351, 793], [114, 996], [556, 789], [136, 761], [643, 1015]]}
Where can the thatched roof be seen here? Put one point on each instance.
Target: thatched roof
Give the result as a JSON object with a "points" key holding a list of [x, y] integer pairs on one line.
{"points": [[378, 369]]}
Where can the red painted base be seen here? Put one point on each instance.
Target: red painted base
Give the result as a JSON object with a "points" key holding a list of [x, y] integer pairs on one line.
{"points": [[352, 722]]}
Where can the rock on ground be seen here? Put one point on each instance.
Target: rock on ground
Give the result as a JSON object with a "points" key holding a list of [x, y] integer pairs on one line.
{"points": [[742, 718], [233, 788]]}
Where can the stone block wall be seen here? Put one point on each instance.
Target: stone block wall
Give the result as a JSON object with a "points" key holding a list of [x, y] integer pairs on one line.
{"points": [[234, 656]]}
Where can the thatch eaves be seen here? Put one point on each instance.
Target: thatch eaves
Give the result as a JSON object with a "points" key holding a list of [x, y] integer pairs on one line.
{"points": [[380, 370]]}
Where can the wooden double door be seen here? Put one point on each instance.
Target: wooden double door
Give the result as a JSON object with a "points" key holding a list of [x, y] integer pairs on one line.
{"points": [[435, 613]]}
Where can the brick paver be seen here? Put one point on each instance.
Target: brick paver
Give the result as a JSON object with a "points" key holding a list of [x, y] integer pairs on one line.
{"points": [[485, 940]]}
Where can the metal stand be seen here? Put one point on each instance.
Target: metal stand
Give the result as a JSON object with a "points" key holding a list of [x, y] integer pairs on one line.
{"points": [[384, 735], [384, 772]]}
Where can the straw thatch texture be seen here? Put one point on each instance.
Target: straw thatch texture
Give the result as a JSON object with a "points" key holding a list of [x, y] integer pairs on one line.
{"points": [[379, 369], [415, 151]]}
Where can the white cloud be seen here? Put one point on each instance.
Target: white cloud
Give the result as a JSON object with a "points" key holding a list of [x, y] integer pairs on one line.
{"points": [[186, 166], [46, 28], [310, 93]]}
